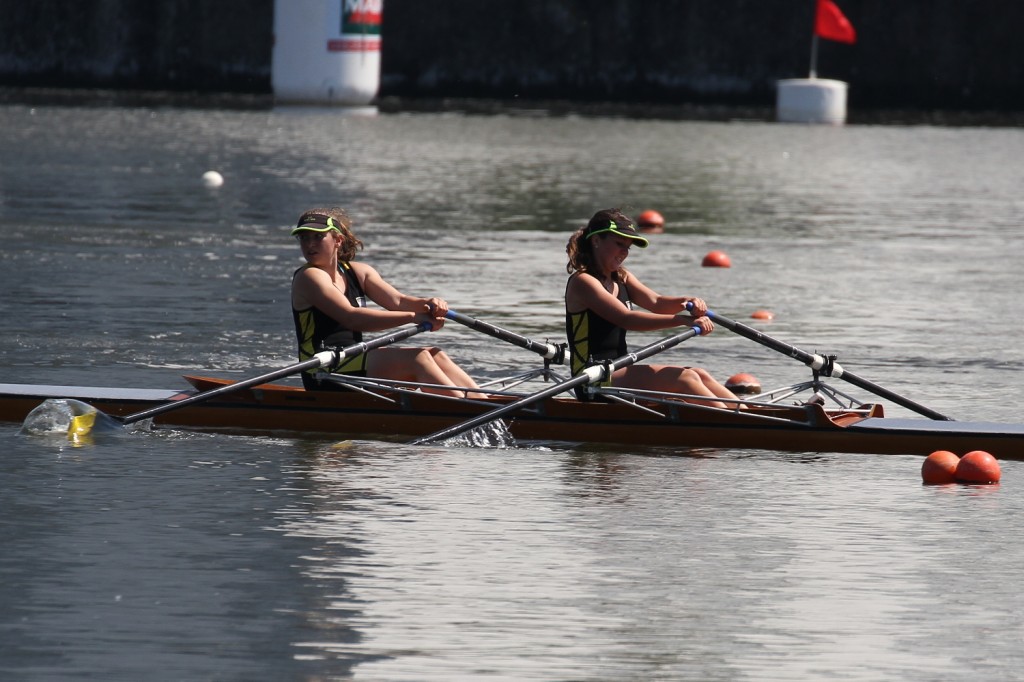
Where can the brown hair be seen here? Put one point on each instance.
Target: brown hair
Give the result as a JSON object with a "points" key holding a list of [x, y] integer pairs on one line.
{"points": [[350, 243], [579, 248]]}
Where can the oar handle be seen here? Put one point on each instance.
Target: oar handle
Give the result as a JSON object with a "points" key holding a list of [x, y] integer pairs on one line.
{"points": [[325, 358], [548, 351], [818, 362], [590, 375]]}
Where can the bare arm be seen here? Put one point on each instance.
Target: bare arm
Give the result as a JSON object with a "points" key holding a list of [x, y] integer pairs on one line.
{"points": [[314, 287], [647, 298], [387, 296], [586, 292]]}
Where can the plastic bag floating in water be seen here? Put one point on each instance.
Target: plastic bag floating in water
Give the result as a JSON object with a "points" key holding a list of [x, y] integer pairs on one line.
{"points": [[71, 418]]}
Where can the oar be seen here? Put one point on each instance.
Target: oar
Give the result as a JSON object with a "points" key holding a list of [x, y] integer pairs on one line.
{"points": [[548, 351], [590, 375], [324, 358], [817, 362]]}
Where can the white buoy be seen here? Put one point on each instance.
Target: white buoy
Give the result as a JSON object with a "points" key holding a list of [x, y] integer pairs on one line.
{"points": [[212, 178], [326, 51], [811, 100]]}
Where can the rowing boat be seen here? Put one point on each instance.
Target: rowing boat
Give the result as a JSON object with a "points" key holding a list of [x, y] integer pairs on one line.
{"points": [[831, 421], [392, 412]]}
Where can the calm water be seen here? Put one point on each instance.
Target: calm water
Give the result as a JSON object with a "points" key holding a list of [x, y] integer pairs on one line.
{"points": [[181, 556]]}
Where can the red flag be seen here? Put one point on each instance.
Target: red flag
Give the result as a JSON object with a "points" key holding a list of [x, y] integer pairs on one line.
{"points": [[830, 24]]}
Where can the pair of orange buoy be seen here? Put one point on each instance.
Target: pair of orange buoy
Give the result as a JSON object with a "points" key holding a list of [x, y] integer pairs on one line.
{"points": [[651, 221], [977, 467]]}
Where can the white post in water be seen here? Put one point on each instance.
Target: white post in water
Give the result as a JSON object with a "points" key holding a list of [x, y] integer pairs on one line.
{"points": [[326, 51], [813, 99]]}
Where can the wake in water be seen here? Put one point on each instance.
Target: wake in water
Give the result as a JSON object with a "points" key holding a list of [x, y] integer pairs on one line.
{"points": [[492, 435]]}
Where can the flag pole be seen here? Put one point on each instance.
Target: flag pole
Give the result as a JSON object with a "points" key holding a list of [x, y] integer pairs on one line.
{"points": [[814, 43], [814, 56]]}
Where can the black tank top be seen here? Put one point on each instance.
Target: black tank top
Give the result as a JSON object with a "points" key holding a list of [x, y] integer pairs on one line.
{"points": [[593, 338], [315, 330]]}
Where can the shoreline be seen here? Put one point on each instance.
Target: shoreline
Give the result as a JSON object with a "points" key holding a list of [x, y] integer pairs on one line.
{"points": [[82, 97]]}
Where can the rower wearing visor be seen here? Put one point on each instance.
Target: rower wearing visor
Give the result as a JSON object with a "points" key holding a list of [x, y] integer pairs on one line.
{"points": [[329, 307], [599, 309]]}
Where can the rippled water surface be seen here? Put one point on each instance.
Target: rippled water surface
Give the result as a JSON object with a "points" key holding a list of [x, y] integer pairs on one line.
{"points": [[171, 555]]}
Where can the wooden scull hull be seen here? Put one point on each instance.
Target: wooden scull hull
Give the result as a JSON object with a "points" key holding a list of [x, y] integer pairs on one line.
{"points": [[279, 409]]}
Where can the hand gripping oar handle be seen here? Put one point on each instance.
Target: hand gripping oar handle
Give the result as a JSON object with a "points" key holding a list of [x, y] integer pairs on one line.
{"points": [[590, 375], [817, 362], [325, 358], [548, 351]]}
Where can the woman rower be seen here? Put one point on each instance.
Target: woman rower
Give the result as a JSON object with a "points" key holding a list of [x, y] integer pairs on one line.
{"points": [[329, 296], [599, 298]]}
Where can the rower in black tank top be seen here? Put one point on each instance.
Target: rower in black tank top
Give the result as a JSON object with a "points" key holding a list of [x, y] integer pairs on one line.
{"points": [[593, 339], [315, 331]]}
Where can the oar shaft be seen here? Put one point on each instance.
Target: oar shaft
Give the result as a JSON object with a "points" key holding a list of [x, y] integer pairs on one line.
{"points": [[883, 392], [547, 350], [656, 347], [818, 362], [321, 359], [592, 374]]}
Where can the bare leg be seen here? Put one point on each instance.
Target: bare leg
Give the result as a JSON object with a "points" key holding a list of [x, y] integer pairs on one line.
{"points": [[715, 386], [456, 374], [421, 365], [670, 380]]}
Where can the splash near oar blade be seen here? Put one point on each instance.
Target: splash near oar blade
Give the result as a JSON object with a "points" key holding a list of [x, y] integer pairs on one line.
{"points": [[825, 365], [66, 417], [591, 375]]}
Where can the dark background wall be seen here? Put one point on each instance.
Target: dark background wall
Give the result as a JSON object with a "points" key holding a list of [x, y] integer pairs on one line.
{"points": [[933, 54], [217, 45]]}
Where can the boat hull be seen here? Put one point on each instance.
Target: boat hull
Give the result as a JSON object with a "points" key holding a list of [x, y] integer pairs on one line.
{"points": [[402, 415]]}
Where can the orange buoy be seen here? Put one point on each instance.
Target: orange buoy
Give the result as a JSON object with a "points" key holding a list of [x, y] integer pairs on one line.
{"points": [[743, 384], [650, 221], [763, 315], [716, 259], [939, 468], [978, 466]]}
